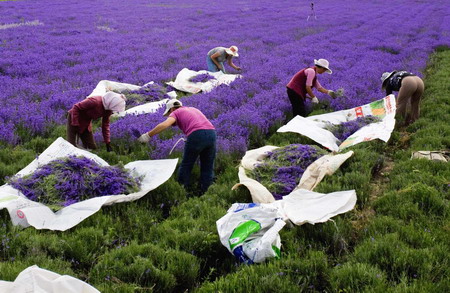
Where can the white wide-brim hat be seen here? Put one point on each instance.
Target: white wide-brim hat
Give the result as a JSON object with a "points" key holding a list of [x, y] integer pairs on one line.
{"points": [[170, 104], [323, 63], [233, 50], [384, 78]]}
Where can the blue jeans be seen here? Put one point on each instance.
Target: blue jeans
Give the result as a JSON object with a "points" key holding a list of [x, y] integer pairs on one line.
{"points": [[212, 66], [200, 143]]}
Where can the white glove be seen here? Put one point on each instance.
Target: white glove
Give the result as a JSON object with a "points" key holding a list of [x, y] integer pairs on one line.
{"points": [[315, 100], [144, 138], [332, 94]]}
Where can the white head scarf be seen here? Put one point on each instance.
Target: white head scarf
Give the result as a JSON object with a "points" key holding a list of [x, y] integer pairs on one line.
{"points": [[114, 102]]}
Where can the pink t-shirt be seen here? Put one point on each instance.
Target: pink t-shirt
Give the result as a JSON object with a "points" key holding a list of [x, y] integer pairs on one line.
{"points": [[310, 74], [190, 119]]}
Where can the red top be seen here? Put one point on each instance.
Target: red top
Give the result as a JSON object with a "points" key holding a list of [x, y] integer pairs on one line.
{"points": [[90, 109], [298, 83]]}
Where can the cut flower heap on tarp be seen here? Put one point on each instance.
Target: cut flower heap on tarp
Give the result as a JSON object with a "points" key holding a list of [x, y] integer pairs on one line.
{"points": [[203, 77], [146, 94], [66, 181], [283, 168], [344, 130]]}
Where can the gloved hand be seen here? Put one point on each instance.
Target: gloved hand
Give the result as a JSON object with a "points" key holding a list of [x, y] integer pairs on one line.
{"points": [[144, 138], [108, 147], [315, 100], [332, 94]]}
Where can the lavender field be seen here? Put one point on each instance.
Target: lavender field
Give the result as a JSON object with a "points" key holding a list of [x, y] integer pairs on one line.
{"points": [[53, 54]]}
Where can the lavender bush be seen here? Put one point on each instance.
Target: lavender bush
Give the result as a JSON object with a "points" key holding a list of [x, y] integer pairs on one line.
{"points": [[65, 181], [344, 130], [282, 169], [49, 67]]}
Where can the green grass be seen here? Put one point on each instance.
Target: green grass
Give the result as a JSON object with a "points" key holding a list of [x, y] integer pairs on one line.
{"points": [[396, 239]]}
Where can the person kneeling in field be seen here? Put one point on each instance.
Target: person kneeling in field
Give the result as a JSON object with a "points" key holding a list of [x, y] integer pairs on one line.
{"points": [[79, 118], [300, 86], [201, 141], [217, 56], [410, 89]]}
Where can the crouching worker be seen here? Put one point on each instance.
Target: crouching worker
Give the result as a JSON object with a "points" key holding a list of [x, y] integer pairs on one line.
{"points": [[79, 118], [217, 56], [201, 141], [410, 90]]}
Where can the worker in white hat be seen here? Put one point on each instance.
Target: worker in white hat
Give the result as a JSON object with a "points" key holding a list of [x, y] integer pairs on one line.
{"points": [[200, 143], [300, 86], [216, 57], [410, 89]]}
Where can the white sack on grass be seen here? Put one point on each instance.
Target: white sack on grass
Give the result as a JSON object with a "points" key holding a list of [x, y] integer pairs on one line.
{"points": [[183, 84], [25, 212], [303, 206], [35, 279], [313, 126], [250, 231], [314, 173]]}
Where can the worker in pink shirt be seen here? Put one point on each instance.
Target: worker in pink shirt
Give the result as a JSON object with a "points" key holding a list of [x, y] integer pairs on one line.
{"points": [[201, 141], [79, 118], [300, 86]]}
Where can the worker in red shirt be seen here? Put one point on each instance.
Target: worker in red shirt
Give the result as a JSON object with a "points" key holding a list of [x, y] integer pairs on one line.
{"points": [[79, 118], [300, 86]]}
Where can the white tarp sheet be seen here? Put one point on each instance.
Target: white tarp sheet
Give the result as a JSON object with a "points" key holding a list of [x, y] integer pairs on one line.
{"points": [[151, 107], [313, 126], [325, 165], [107, 85], [303, 206], [25, 212], [37, 280], [183, 84]]}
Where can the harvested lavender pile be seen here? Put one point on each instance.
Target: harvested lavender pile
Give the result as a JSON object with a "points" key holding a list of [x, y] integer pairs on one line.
{"points": [[65, 181], [146, 94], [344, 130], [203, 77], [282, 169]]}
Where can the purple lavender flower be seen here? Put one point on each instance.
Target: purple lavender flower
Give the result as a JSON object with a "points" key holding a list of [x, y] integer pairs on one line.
{"points": [[344, 130], [65, 181], [203, 77], [282, 169]]}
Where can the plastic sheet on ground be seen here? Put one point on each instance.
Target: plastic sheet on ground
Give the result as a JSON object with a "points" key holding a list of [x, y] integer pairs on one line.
{"points": [[35, 279], [107, 85], [25, 212], [313, 126], [151, 107], [250, 232], [183, 84], [325, 165]]}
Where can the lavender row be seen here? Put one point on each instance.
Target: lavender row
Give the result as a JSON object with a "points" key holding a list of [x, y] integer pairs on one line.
{"points": [[54, 60]]}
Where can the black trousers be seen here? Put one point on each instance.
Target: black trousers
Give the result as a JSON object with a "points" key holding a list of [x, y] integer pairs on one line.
{"points": [[298, 103]]}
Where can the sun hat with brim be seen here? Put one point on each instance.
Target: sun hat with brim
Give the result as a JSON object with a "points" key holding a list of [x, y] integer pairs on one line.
{"points": [[323, 63], [170, 104], [233, 52], [385, 77]]}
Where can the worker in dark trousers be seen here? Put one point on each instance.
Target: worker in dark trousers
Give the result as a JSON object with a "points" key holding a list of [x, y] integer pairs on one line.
{"points": [[300, 87]]}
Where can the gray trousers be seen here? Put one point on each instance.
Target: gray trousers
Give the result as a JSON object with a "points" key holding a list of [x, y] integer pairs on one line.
{"points": [[410, 93]]}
